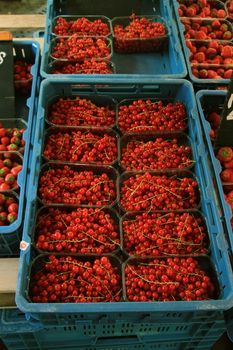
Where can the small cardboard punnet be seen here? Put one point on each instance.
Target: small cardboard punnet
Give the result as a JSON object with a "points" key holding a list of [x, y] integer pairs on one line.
{"points": [[7, 93]]}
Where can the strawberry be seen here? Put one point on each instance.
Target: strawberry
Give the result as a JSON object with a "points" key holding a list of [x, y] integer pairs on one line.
{"points": [[225, 154], [224, 27], [203, 73], [213, 45], [200, 35], [227, 175], [212, 74], [191, 11], [227, 51], [216, 24], [214, 119], [227, 35], [228, 61], [221, 13], [200, 57], [212, 134], [228, 165], [211, 52], [228, 74]]}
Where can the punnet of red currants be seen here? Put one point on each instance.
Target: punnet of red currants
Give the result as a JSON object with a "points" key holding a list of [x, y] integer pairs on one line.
{"points": [[81, 26], [145, 192], [154, 116], [67, 279], [139, 34], [161, 234], [70, 185], [148, 153], [83, 146], [80, 49], [167, 279], [80, 112], [77, 231]]}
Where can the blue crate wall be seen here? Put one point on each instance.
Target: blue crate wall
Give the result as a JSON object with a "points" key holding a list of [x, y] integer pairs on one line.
{"points": [[179, 312], [20, 334], [25, 117], [168, 64]]}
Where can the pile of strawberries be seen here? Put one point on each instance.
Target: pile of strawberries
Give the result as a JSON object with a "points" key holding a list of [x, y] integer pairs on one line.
{"points": [[22, 76], [208, 37]]}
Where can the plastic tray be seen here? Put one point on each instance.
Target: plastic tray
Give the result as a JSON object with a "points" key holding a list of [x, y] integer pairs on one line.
{"points": [[130, 68], [181, 29], [28, 51], [167, 89]]}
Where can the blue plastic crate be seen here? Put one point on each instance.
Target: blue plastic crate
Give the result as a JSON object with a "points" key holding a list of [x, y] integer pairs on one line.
{"points": [[186, 51], [17, 333], [202, 311], [169, 63], [209, 99], [30, 342], [28, 51]]}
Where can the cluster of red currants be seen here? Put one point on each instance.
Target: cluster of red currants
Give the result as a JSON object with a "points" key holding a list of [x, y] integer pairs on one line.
{"points": [[159, 154], [167, 279], [81, 26], [76, 48], [81, 146], [158, 192], [80, 112], [66, 279], [147, 115], [158, 234], [81, 230], [66, 185], [140, 35]]}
